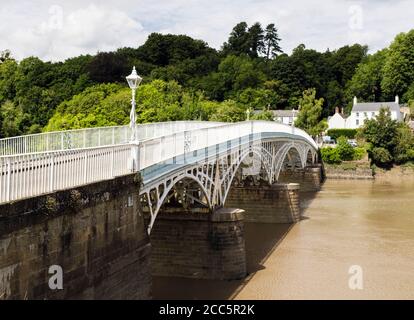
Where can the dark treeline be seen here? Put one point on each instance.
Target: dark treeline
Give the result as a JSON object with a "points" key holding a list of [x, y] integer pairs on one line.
{"points": [[185, 78]]}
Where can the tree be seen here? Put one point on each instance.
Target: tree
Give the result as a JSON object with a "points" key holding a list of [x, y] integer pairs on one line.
{"points": [[11, 119], [235, 73], [229, 111], [271, 42], [5, 55], [239, 41], [366, 82], [399, 65], [108, 67], [345, 60], [97, 106], [310, 114], [381, 131], [256, 37], [404, 149]]}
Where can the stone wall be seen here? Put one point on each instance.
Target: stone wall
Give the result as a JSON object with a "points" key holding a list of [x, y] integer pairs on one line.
{"points": [[278, 203], [96, 233], [338, 172], [199, 244], [309, 178]]}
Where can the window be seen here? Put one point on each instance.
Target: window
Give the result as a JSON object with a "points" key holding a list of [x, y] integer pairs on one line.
{"points": [[373, 114], [357, 122], [365, 114], [357, 114]]}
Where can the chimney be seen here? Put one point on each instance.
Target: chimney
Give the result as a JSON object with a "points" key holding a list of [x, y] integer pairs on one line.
{"points": [[336, 109], [397, 100], [355, 100], [342, 111]]}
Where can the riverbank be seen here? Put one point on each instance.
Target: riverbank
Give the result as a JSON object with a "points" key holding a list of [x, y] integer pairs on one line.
{"points": [[397, 173], [361, 170], [356, 170]]}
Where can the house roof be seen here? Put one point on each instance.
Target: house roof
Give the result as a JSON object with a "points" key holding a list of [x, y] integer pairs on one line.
{"points": [[375, 106]]}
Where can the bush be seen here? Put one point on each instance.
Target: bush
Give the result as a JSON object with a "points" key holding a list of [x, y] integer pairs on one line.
{"points": [[345, 150], [359, 153], [330, 155], [336, 133], [381, 157]]}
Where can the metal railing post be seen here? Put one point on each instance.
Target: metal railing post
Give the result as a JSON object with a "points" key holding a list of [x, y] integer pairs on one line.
{"points": [[8, 179], [52, 173]]}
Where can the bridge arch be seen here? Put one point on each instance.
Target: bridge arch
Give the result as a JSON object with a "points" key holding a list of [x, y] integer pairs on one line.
{"points": [[262, 153], [156, 198]]}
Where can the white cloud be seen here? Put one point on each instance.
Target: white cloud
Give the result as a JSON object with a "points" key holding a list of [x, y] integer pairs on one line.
{"points": [[29, 28], [60, 34]]}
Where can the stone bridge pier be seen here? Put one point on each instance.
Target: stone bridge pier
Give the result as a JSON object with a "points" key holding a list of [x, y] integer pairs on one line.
{"points": [[197, 243], [309, 178], [276, 203]]}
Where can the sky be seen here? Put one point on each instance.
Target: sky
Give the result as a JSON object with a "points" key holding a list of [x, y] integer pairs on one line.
{"points": [[55, 30]]}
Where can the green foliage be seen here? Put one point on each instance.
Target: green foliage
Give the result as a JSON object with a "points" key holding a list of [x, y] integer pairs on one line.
{"points": [[330, 155], [389, 141], [11, 119], [309, 117], [345, 150], [381, 157], [99, 105], [336, 133], [342, 152], [359, 153], [229, 111], [381, 131], [366, 82], [404, 150], [264, 115], [399, 65]]}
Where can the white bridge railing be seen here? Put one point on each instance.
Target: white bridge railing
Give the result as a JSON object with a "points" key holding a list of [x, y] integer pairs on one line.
{"points": [[160, 149], [30, 174], [93, 137]]}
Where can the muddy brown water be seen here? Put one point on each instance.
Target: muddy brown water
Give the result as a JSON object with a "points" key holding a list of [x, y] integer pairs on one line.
{"points": [[365, 223]]}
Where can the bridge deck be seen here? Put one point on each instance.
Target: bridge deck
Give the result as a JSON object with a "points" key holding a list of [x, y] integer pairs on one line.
{"points": [[27, 173]]}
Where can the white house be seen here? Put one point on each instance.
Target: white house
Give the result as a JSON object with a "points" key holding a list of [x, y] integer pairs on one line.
{"points": [[363, 111], [337, 121]]}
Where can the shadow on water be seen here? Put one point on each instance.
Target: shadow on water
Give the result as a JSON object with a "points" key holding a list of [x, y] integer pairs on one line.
{"points": [[262, 239]]}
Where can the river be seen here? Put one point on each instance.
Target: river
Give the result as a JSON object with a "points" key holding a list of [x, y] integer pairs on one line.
{"points": [[369, 224]]}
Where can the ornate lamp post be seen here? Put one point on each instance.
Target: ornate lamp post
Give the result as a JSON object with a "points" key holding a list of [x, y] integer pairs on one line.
{"points": [[133, 81]]}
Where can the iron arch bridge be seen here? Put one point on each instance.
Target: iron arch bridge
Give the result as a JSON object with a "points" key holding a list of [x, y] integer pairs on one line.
{"points": [[188, 162]]}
